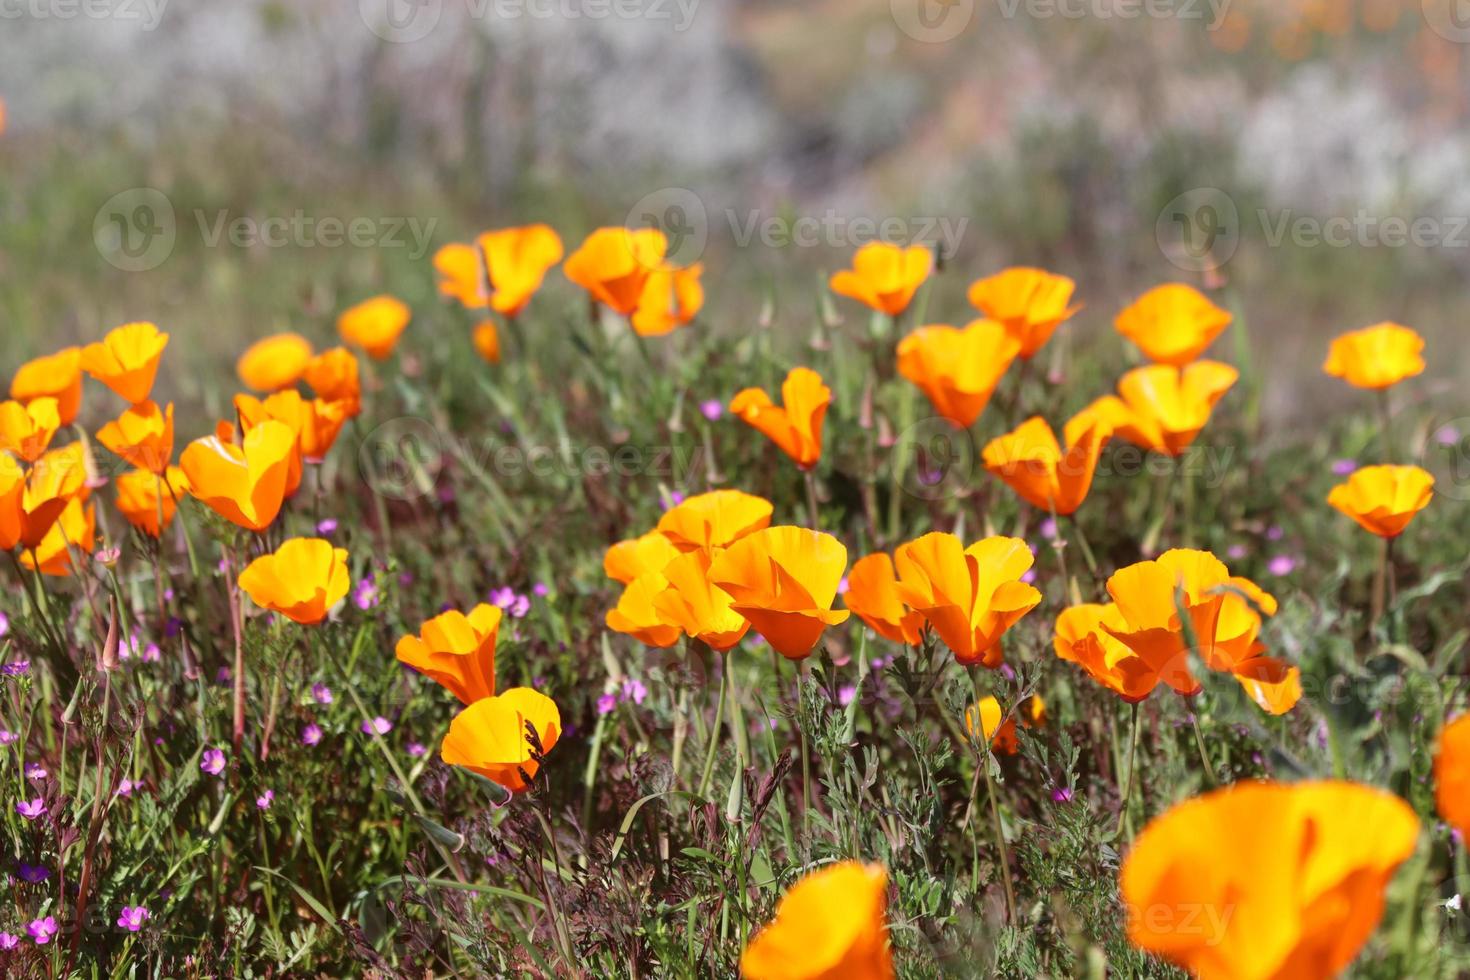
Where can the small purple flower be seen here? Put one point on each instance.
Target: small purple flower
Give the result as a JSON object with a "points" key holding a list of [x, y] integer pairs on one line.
{"points": [[1062, 794], [1235, 552], [4, 624], [151, 654], [213, 761], [541, 589], [1275, 533], [311, 734], [712, 409], [264, 800], [842, 585], [503, 597], [326, 526], [42, 930], [34, 771], [1048, 529], [634, 691], [7, 941], [846, 693], [126, 787], [132, 917], [1447, 435], [377, 726], [321, 694], [17, 667], [520, 607], [7, 737], [1345, 467], [365, 594], [31, 809], [222, 676], [33, 873], [606, 703], [1281, 565], [417, 749], [1028, 576]]}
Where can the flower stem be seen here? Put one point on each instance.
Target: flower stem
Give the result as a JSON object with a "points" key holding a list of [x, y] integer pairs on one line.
{"points": [[1127, 789], [1204, 757]]}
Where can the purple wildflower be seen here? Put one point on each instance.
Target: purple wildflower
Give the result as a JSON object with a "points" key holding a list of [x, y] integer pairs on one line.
{"points": [[33, 873], [365, 594], [42, 930], [1345, 467], [132, 917], [1062, 794], [15, 668], [213, 761], [377, 726], [34, 771], [8, 941], [712, 409], [633, 690], [1281, 565], [321, 694], [264, 800], [31, 809], [311, 734], [606, 703], [417, 749], [6, 737], [326, 526]]}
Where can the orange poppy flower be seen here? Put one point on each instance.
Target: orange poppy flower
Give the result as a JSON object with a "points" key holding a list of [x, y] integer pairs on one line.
{"points": [[1031, 463], [1003, 736], [1172, 323], [512, 261], [627, 560], [1384, 499], [26, 430], [716, 519], [614, 265], [1029, 303], [459, 267], [457, 651], [1164, 408], [75, 528], [486, 340], [142, 499], [795, 426], [1452, 775], [832, 923], [333, 376], [1376, 357], [143, 436], [302, 580], [969, 595], [375, 325], [672, 297], [638, 617], [958, 369], [1085, 637], [244, 484], [56, 479], [126, 360], [58, 376], [884, 277], [274, 363], [12, 500], [783, 580], [490, 737], [1271, 684], [315, 422], [872, 593], [1266, 881], [690, 602]]}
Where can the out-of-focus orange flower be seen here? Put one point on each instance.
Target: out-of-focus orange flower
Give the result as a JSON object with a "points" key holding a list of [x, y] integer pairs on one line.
{"points": [[1003, 736], [126, 360], [274, 363], [486, 339], [1042, 474], [375, 325], [884, 277], [56, 479], [795, 426], [1172, 323], [614, 265], [334, 377], [57, 376], [1452, 775], [957, 370], [1029, 303], [75, 528], [1273, 685], [26, 430], [460, 274], [490, 737], [316, 422], [831, 924], [638, 617], [244, 484], [142, 436], [970, 596], [783, 580], [700, 609], [1084, 636], [513, 262], [872, 593], [12, 500], [1164, 408], [1266, 881], [302, 579], [1384, 499], [1376, 357], [457, 651], [142, 499], [716, 519], [672, 297], [626, 560]]}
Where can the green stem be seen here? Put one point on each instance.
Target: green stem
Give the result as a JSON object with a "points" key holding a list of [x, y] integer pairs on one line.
{"points": [[714, 740], [1127, 789]]}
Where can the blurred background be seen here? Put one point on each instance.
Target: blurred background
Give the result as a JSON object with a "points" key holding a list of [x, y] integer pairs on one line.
{"points": [[228, 170]]}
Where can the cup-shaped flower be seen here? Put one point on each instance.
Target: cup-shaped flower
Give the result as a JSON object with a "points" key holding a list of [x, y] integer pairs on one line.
{"points": [[1172, 323], [334, 377], [884, 277], [783, 580], [970, 596], [831, 924], [511, 262], [1272, 685], [27, 429], [274, 363], [56, 376], [143, 435], [1266, 881], [1164, 408], [244, 484], [126, 360], [1001, 730], [627, 560], [55, 480], [1029, 303], [1452, 774], [144, 500], [485, 338], [958, 369], [716, 519], [1031, 463], [457, 651], [1384, 499], [795, 426], [491, 736], [614, 264], [872, 593], [1376, 357], [672, 297], [701, 610], [315, 421], [638, 617], [1084, 636], [75, 528], [375, 325], [302, 579]]}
